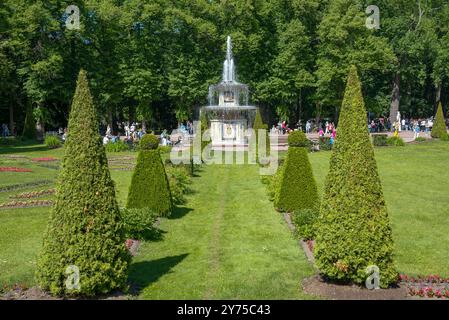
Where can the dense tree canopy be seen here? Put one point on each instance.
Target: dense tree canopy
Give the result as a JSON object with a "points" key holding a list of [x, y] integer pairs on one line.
{"points": [[153, 60]]}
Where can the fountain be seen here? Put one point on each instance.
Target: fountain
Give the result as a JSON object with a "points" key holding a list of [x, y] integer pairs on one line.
{"points": [[228, 111]]}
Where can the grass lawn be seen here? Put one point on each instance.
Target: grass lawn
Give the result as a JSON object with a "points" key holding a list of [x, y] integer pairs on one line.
{"points": [[227, 241], [415, 182]]}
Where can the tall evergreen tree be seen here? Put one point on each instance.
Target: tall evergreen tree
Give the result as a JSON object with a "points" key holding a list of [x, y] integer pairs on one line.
{"points": [[439, 129], [85, 228], [353, 228]]}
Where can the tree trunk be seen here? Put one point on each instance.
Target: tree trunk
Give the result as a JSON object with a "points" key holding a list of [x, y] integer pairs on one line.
{"points": [[318, 114], [395, 97], [11, 119]]}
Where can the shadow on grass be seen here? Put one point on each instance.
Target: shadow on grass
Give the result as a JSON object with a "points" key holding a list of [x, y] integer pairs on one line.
{"points": [[25, 147], [179, 212], [144, 273]]}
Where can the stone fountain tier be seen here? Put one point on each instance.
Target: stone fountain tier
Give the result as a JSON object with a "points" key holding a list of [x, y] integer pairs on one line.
{"points": [[228, 112], [228, 124]]}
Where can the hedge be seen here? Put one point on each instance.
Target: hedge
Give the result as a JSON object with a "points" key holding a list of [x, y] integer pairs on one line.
{"points": [[149, 184], [297, 188], [380, 140], [85, 227], [439, 129], [353, 229]]}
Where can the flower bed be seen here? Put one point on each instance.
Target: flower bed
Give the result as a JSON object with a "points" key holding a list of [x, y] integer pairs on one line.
{"points": [[14, 169], [25, 185], [33, 194], [133, 246], [432, 286], [48, 159], [26, 204]]}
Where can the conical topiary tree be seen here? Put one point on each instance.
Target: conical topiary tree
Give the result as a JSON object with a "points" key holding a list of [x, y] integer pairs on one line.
{"points": [[149, 185], [439, 129], [29, 128], [297, 188], [204, 127], [353, 227], [85, 232], [259, 125]]}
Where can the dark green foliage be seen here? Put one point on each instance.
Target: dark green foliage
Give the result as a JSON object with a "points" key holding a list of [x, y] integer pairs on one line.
{"points": [[85, 227], [380, 140], [304, 221], [395, 142], [29, 128], [149, 185], [439, 125], [298, 139], [149, 142], [52, 141], [165, 149], [325, 144], [258, 123], [139, 223], [353, 227], [117, 146], [272, 182], [296, 188], [179, 180]]}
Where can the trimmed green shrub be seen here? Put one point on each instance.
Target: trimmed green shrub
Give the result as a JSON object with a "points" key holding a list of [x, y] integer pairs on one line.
{"points": [[298, 139], [165, 149], [380, 140], [353, 229], [259, 125], [258, 122], [139, 223], [52, 141], [444, 137], [149, 142], [296, 189], [117, 146], [179, 181], [395, 141], [29, 128], [204, 128], [272, 182], [149, 184], [304, 221], [439, 125], [420, 139], [85, 227], [325, 143]]}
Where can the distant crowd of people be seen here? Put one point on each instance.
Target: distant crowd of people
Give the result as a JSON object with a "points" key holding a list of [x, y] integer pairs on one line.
{"points": [[5, 130]]}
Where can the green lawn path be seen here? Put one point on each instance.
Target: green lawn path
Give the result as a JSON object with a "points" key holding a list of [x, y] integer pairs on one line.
{"points": [[232, 245]]}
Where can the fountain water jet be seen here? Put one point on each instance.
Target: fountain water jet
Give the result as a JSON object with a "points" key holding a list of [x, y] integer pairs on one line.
{"points": [[228, 112]]}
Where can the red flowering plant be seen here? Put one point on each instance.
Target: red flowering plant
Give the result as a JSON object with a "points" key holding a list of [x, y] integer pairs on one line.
{"points": [[431, 286], [47, 159], [33, 194], [26, 204], [14, 169]]}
